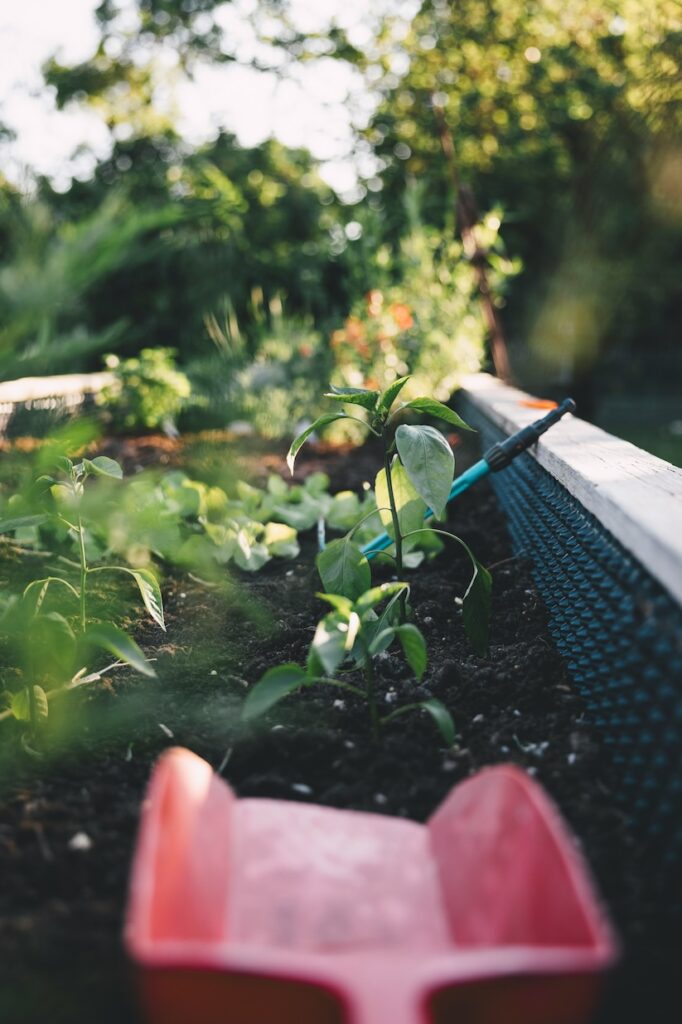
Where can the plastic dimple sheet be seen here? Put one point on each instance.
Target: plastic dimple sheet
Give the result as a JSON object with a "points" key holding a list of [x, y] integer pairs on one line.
{"points": [[620, 633]]}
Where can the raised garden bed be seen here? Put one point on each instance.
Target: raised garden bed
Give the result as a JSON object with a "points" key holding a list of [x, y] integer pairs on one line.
{"points": [[67, 827]]}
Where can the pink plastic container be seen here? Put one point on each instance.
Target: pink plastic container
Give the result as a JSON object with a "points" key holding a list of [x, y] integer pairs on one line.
{"points": [[269, 912]]}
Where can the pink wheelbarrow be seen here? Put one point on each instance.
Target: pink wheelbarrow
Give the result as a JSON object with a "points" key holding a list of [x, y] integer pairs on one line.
{"points": [[262, 911]]}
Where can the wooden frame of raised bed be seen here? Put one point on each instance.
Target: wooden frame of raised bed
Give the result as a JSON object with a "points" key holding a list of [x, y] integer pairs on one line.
{"points": [[602, 522]]}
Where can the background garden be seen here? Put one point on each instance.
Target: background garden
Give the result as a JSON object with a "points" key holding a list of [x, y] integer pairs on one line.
{"points": [[553, 126]]}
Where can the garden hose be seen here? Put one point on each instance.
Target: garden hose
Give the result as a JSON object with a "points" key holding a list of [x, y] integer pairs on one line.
{"points": [[496, 458]]}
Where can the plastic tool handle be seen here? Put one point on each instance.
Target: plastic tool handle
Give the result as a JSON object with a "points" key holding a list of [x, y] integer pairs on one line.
{"points": [[501, 454]]}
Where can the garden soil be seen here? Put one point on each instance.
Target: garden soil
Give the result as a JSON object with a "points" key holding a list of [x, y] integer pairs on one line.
{"points": [[68, 822]]}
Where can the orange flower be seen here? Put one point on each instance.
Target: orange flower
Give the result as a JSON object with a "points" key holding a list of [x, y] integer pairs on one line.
{"points": [[355, 329], [402, 315], [305, 350]]}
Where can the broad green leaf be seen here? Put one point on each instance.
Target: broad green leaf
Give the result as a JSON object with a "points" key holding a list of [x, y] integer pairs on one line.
{"points": [[391, 393], [276, 486], [7, 525], [410, 507], [354, 396], [316, 484], [344, 569], [281, 540], [111, 638], [371, 598], [277, 683], [340, 604], [430, 407], [320, 422], [149, 590], [429, 463], [414, 648], [20, 705], [345, 511], [249, 554], [476, 609], [329, 642], [443, 719], [53, 645], [102, 466]]}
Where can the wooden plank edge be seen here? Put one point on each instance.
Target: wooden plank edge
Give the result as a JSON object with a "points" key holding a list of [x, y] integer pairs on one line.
{"points": [[635, 495]]}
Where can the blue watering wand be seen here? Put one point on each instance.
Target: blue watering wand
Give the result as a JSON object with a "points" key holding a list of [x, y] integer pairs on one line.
{"points": [[496, 458]]}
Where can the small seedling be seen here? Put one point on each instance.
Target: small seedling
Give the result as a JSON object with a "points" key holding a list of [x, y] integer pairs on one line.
{"points": [[47, 643], [417, 474], [354, 634]]}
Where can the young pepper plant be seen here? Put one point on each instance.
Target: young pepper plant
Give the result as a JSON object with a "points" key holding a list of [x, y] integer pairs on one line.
{"points": [[353, 634], [416, 477]]}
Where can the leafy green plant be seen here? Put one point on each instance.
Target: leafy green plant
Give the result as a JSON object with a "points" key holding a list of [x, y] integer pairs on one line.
{"points": [[416, 477], [354, 634], [149, 391], [47, 645]]}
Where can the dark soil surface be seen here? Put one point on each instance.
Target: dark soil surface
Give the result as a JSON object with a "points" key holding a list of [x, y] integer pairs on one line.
{"points": [[61, 906]]}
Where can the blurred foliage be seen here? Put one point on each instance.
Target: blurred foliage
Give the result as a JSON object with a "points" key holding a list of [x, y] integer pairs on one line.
{"points": [[565, 121], [422, 316], [567, 116], [149, 391]]}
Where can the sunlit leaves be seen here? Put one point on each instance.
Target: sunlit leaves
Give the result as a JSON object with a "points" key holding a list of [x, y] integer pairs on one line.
{"points": [[430, 407], [354, 396], [410, 507]]}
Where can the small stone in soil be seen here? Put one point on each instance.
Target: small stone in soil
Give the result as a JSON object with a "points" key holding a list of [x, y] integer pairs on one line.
{"points": [[478, 718], [166, 731], [349, 745], [340, 705], [81, 842], [300, 787], [213, 672], [449, 766], [572, 758], [380, 798], [276, 728], [183, 595]]}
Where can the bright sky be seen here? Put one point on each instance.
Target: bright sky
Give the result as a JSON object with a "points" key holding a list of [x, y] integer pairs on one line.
{"points": [[315, 107]]}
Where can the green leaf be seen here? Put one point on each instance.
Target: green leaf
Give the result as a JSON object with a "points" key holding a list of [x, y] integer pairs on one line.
{"points": [[21, 708], [430, 407], [391, 393], [443, 719], [249, 554], [329, 643], [53, 645], [36, 592], [340, 604], [148, 586], [102, 466], [277, 683], [429, 463], [414, 648], [7, 525], [354, 396], [410, 507], [344, 569], [476, 609], [296, 444], [111, 638], [371, 598], [281, 540]]}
